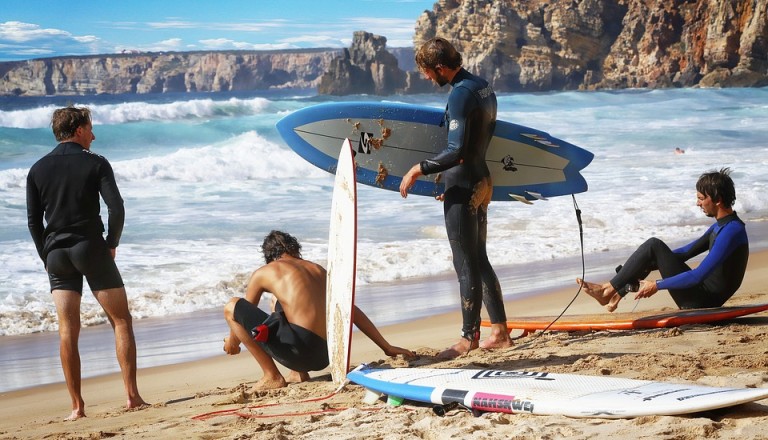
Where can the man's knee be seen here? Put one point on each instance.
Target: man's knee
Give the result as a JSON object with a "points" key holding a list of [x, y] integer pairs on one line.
{"points": [[229, 309]]}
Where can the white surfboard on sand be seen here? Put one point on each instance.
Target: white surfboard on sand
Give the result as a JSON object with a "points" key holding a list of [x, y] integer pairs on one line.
{"points": [[342, 255], [549, 393]]}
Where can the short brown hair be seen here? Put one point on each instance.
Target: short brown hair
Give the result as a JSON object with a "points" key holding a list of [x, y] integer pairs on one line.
{"points": [[438, 51], [65, 121]]}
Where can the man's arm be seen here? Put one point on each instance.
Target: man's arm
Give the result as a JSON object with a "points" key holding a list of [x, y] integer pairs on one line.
{"points": [[727, 241], [35, 215], [115, 207], [369, 329], [461, 102]]}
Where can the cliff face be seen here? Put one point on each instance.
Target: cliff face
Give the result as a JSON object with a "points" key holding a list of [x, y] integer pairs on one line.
{"points": [[161, 73], [537, 45], [518, 45]]}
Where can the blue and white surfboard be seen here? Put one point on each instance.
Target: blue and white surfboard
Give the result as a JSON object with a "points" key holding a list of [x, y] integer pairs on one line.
{"points": [[549, 393], [389, 138]]}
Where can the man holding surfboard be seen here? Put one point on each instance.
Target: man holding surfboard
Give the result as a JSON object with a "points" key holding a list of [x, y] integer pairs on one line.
{"points": [[293, 334], [713, 281], [470, 119]]}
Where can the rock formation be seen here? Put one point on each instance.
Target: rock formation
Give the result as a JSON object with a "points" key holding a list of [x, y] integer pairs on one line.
{"points": [[167, 72], [368, 68], [538, 45]]}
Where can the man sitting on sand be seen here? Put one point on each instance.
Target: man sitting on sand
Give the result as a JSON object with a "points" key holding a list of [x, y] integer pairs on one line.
{"points": [[294, 334], [710, 284]]}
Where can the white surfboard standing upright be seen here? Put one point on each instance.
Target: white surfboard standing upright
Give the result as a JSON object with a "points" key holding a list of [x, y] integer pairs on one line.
{"points": [[342, 256]]}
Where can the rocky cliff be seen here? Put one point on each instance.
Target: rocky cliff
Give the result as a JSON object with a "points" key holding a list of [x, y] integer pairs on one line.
{"points": [[367, 67], [168, 72], [518, 45], [537, 45]]}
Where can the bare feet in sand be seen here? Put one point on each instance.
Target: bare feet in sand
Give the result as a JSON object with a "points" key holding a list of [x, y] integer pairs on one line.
{"points": [[269, 383], [497, 340], [460, 348], [136, 403], [605, 294], [297, 377], [76, 414]]}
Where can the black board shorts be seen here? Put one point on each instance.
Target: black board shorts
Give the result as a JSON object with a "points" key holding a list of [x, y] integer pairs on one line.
{"points": [[291, 345]]}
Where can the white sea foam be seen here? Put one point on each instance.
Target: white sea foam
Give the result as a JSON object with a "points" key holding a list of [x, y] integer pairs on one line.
{"points": [[121, 113]]}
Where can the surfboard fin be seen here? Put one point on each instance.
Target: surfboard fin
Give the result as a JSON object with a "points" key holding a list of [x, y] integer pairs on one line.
{"points": [[371, 396], [536, 195], [520, 198]]}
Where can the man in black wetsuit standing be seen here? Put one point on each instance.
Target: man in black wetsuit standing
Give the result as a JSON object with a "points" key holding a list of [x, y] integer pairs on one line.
{"points": [[470, 119], [64, 187]]}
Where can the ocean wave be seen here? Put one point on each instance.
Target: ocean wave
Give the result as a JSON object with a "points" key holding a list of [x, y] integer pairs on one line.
{"points": [[113, 114], [248, 156]]}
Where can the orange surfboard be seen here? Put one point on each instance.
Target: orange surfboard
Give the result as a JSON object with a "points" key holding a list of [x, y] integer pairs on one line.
{"points": [[629, 321]]}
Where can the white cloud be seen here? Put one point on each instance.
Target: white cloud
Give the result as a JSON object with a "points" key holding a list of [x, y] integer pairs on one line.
{"points": [[227, 44], [21, 40], [19, 32]]}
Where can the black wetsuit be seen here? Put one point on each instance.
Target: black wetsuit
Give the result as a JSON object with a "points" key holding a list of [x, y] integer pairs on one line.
{"points": [[64, 187], [289, 344], [470, 118], [711, 283]]}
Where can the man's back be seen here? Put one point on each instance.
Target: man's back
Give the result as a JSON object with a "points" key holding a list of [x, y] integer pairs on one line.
{"points": [[299, 285]]}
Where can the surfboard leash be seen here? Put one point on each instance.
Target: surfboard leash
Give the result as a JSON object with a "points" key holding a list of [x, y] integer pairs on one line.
{"points": [[246, 412], [577, 210]]}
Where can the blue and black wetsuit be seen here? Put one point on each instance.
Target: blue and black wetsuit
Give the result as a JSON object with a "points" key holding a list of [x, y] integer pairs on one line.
{"points": [[470, 117], [64, 187], [711, 283]]}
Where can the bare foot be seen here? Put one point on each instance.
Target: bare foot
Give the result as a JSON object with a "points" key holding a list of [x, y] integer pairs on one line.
{"points": [[297, 377], [493, 343], [460, 348], [499, 337], [136, 403], [269, 384], [603, 293], [76, 414], [613, 303]]}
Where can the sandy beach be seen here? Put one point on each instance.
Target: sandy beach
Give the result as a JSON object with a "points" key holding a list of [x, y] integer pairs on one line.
{"points": [[727, 354]]}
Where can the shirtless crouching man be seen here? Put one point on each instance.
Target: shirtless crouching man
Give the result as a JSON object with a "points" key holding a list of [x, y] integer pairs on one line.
{"points": [[294, 334]]}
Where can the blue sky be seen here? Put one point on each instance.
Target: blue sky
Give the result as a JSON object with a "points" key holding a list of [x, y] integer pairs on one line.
{"points": [[46, 28]]}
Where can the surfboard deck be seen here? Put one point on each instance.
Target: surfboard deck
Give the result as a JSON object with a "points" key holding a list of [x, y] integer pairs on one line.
{"points": [[629, 321], [389, 138], [341, 269], [550, 393]]}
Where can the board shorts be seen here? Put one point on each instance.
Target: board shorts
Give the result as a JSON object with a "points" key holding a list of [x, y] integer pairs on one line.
{"points": [[289, 344], [69, 262]]}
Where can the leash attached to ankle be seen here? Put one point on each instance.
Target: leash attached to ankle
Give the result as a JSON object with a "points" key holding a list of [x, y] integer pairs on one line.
{"points": [[471, 336]]}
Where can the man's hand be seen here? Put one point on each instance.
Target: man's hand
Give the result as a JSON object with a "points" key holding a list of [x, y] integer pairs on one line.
{"points": [[409, 179], [231, 348], [647, 289]]}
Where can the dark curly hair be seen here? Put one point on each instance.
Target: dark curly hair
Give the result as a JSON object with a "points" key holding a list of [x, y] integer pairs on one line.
{"points": [[277, 243], [718, 185]]}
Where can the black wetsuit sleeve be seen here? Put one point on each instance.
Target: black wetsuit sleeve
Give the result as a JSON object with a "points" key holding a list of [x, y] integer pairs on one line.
{"points": [[460, 104], [115, 207], [35, 214]]}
